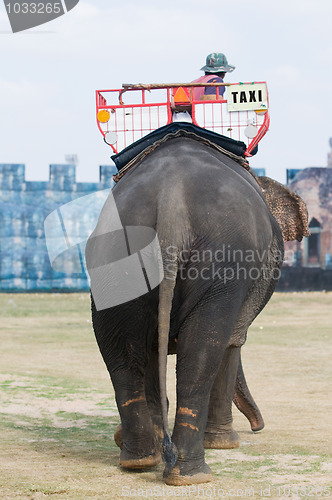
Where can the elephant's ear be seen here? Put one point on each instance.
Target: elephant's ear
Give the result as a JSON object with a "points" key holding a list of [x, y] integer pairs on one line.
{"points": [[287, 207]]}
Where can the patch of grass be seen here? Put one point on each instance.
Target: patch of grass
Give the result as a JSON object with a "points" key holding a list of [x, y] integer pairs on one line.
{"points": [[49, 387], [69, 433], [281, 465], [47, 491], [30, 305], [241, 469]]}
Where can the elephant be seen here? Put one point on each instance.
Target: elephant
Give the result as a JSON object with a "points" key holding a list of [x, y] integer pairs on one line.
{"points": [[220, 233]]}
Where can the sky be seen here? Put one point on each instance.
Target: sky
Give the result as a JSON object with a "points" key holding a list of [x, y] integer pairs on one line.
{"points": [[49, 74]]}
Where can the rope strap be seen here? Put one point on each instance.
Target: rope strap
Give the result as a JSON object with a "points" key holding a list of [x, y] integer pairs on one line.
{"points": [[239, 159]]}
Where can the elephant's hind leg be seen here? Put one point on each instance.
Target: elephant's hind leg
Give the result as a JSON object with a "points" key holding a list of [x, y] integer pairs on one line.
{"points": [[202, 341], [138, 440], [125, 351], [152, 393], [219, 432]]}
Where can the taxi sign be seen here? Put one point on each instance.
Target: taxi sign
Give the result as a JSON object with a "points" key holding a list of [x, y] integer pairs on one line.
{"points": [[247, 97]]}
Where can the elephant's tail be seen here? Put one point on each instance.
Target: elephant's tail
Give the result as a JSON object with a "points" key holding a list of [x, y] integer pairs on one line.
{"points": [[245, 402], [166, 292]]}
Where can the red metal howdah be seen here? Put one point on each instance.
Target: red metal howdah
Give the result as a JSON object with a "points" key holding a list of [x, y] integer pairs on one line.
{"points": [[128, 114]]}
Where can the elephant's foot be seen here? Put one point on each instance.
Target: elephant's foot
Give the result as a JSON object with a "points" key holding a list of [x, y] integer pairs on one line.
{"points": [[183, 474], [118, 435], [221, 437], [256, 423], [224, 441], [132, 461]]}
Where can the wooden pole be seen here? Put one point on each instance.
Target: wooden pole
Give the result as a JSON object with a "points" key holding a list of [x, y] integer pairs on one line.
{"points": [[149, 86]]}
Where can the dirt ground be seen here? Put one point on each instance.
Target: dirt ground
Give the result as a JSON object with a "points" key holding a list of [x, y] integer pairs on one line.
{"points": [[58, 411]]}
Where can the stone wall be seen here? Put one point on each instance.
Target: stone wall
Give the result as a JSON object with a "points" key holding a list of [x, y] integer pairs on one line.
{"points": [[24, 206], [314, 185], [25, 263]]}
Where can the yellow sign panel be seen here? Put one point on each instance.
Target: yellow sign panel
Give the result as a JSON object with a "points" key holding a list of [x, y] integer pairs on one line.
{"points": [[247, 97], [103, 115]]}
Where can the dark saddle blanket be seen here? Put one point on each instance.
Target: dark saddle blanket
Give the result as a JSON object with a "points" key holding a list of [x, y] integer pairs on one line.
{"points": [[128, 156]]}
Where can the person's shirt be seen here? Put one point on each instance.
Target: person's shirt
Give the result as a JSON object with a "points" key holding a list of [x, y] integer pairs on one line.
{"points": [[200, 91]]}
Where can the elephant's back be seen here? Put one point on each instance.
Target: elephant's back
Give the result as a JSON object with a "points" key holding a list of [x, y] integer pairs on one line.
{"points": [[184, 172]]}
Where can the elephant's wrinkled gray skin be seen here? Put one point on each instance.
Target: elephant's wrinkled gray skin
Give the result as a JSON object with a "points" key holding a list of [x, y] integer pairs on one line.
{"points": [[200, 202]]}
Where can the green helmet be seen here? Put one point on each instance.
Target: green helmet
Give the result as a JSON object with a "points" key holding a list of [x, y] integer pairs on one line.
{"points": [[216, 62]]}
